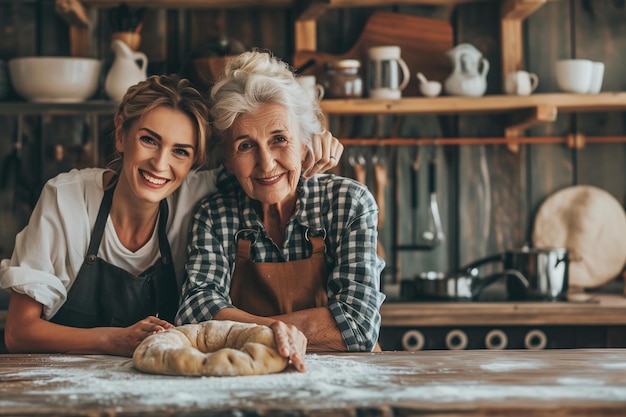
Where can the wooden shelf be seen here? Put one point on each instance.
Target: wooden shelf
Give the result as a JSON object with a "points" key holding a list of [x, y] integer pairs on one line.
{"points": [[599, 310], [186, 4], [473, 105], [58, 109]]}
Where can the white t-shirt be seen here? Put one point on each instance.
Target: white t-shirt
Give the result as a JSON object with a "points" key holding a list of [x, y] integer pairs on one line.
{"points": [[50, 250]]}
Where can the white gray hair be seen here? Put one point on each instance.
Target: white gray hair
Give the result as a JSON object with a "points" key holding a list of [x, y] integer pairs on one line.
{"points": [[254, 78]]}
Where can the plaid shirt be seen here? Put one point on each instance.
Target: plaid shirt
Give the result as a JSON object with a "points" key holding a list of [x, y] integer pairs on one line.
{"points": [[341, 206]]}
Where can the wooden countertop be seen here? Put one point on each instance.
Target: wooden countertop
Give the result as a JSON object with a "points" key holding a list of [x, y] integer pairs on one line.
{"points": [[468, 383], [599, 309]]}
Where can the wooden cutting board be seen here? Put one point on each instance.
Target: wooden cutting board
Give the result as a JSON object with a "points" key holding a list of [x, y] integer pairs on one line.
{"points": [[591, 224], [423, 42]]}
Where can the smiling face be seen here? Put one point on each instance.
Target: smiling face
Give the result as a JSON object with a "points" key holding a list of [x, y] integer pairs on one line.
{"points": [[265, 153], [159, 150]]}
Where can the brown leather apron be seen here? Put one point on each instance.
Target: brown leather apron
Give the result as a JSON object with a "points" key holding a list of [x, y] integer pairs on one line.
{"points": [[273, 288]]}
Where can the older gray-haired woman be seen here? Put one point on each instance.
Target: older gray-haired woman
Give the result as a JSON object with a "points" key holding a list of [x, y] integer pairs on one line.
{"points": [[272, 245]]}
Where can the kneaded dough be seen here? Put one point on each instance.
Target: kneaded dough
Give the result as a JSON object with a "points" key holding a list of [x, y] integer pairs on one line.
{"points": [[211, 348]]}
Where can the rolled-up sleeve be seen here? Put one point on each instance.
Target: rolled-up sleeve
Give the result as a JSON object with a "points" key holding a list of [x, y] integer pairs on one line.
{"points": [[354, 284], [49, 250]]}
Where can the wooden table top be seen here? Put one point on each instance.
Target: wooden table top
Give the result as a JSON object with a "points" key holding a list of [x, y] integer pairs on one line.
{"points": [[468, 383]]}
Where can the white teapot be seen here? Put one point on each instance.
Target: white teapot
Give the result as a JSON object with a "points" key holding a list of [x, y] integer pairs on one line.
{"points": [[469, 76], [128, 69]]}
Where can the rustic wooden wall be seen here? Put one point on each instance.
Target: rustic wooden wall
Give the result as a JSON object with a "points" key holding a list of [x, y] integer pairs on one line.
{"points": [[487, 194]]}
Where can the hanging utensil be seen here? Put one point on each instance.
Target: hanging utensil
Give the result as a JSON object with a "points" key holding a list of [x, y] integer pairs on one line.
{"points": [[414, 175], [433, 235], [358, 165], [437, 235]]}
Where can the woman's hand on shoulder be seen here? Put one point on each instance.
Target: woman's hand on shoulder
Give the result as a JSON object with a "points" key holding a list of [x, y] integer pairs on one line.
{"points": [[124, 341], [291, 343], [327, 151]]}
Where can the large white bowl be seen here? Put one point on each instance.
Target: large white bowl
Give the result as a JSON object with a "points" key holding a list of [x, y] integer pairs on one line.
{"points": [[55, 79]]}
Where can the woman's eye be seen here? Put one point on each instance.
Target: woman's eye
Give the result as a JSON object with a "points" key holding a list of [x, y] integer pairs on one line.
{"points": [[244, 146], [280, 139], [148, 140], [182, 152]]}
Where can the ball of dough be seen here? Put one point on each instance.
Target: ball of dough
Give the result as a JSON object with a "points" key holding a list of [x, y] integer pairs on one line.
{"points": [[211, 348], [591, 224]]}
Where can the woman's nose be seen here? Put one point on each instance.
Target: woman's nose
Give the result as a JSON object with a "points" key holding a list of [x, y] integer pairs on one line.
{"points": [[160, 160], [265, 159]]}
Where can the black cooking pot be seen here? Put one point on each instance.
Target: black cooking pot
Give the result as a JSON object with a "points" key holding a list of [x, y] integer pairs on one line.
{"points": [[461, 285], [546, 270]]}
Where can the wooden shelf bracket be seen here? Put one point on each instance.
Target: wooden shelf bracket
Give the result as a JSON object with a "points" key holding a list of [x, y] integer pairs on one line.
{"points": [[525, 119]]}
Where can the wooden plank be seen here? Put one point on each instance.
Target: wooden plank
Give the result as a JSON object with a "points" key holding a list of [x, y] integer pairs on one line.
{"points": [[511, 46], [563, 102], [519, 9], [305, 35], [185, 4]]}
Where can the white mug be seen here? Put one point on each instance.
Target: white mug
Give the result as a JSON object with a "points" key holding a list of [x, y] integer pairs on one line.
{"points": [[574, 75], [521, 83], [383, 72], [597, 76], [310, 85]]}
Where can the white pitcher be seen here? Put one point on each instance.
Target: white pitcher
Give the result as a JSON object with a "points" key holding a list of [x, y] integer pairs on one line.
{"points": [[469, 76], [128, 69]]}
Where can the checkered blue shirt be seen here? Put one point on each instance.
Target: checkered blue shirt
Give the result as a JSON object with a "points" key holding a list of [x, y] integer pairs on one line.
{"points": [[341, 206]]}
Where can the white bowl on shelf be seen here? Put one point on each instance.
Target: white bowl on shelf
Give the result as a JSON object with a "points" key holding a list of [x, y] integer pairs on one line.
{"points": [[55, 79]]}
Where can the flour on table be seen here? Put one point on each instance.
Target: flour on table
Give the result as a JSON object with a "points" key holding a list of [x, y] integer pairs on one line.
{"points": [[504, 366], [331, 381]]}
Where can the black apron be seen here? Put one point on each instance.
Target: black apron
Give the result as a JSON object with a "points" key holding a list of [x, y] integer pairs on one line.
{"points": [[105, 295]]}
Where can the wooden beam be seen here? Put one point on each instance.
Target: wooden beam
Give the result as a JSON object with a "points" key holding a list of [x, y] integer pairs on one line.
{"points": [[511, 46], [305, 35], [519, 9]]}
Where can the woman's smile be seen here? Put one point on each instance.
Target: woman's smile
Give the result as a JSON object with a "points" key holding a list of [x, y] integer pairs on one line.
{"points": [[269, 180], [151, 179]]}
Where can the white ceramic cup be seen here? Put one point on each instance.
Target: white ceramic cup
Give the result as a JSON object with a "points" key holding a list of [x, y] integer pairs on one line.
{"points": [[597, 76], [520, 83], [574, 75], [387, 73], [310, 85]]}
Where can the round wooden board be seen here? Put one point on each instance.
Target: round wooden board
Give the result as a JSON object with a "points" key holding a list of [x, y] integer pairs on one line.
{"points": [[591, 224]]}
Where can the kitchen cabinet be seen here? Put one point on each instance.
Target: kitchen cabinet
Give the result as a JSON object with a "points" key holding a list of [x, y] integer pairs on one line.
{"points": [[588, 321]]}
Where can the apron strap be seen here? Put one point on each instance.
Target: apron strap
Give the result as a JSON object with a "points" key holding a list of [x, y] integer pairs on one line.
{"points": [[244, 244], [98, 229], [164, 244]]}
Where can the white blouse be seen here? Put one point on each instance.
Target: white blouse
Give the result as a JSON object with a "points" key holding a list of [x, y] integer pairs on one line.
{"points": [[50, 250]]}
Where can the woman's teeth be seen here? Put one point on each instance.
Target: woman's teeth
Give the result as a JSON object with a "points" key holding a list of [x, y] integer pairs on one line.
{"points": [[153, 180]]}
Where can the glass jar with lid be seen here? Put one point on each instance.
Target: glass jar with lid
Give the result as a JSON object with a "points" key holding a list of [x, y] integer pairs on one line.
{"points": [[343, 79]]}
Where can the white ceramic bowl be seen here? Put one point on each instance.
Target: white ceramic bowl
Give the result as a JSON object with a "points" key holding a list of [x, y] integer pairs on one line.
{"points": [[55, 79]]}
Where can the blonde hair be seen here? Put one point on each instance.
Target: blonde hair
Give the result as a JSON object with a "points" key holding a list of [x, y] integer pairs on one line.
{"points": [[170, 91]]}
